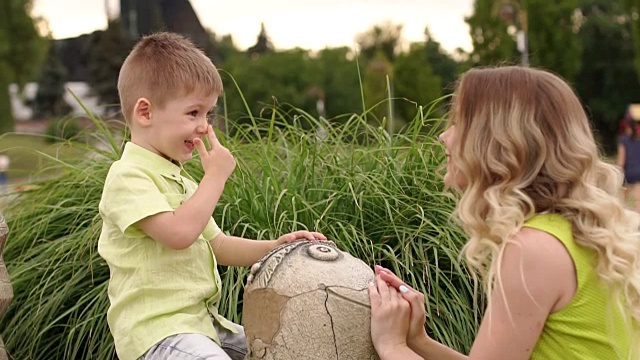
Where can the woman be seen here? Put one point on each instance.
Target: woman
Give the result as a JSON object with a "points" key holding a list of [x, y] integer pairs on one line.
{"points": [[558, 253]]}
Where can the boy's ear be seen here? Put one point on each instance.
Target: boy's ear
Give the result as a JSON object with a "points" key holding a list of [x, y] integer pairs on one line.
{"points": [[142, 112]]}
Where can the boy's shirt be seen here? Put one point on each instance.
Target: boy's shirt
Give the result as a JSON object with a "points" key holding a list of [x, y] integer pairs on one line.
{"points": [[155, 291]]}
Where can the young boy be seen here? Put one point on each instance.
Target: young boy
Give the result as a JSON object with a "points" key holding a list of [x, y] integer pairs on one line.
{"points": [[158, 236]]}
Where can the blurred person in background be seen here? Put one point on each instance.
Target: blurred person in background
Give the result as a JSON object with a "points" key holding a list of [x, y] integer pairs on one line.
{"points": [[629, 156]]}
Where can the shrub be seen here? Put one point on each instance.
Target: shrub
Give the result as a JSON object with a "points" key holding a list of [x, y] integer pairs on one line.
{"points": [[62, 129], [380, 200]]}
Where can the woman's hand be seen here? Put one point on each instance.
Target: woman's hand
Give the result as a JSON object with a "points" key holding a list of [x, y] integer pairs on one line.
{"points": [[389, 318], [417, 333]]}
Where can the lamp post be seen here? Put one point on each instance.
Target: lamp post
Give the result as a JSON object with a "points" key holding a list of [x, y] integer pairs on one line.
{"points": [[514, 13]]}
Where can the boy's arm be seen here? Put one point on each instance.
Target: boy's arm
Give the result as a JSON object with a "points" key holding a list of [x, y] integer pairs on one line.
{"points": [[181, 228], [236, 251]]}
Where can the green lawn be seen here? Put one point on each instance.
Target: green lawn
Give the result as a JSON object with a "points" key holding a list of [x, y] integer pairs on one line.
{"points": [[27, 154]]}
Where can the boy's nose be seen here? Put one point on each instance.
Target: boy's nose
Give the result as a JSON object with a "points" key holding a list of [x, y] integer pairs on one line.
{"points": [[202, 126]]}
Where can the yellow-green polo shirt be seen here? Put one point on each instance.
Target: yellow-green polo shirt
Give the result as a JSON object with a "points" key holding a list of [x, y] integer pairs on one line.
{"points": [[155, 291]]}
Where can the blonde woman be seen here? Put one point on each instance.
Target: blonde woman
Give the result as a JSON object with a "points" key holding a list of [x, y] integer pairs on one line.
{"points": [[558, 253]]}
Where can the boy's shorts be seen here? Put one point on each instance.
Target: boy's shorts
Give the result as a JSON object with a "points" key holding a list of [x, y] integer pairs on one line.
{"points": [[200, 347]]}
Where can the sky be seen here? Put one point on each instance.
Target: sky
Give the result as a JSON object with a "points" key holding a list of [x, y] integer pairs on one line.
{"points": [[309, 24]]}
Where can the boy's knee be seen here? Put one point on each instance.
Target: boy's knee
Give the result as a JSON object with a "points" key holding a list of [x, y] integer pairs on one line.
{"points": [[235, 345], [186, 347]]}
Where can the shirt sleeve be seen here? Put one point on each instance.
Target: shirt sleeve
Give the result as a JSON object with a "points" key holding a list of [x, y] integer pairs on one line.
{"points": [[622, 139], [211, 230], [130, 195]]}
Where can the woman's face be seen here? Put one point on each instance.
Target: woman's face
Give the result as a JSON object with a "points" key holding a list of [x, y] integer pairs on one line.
{"points": [[453, 178]]}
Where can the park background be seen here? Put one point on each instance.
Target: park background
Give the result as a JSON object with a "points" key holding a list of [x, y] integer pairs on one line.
{"points": [[339, 136]]}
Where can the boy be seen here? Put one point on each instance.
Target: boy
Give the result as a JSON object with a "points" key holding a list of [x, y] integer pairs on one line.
{"points": [[158, 236]]}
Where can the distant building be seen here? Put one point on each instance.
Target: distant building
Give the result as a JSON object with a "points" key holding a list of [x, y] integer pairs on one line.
{"points": [[142, 17], [21, 111], [138, 17]]}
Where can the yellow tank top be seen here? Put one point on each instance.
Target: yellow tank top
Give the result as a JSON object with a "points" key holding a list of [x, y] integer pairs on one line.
{"points": [[591, 326]]}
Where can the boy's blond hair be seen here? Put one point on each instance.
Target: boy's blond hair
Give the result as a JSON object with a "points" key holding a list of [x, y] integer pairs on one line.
{"points": [[165, 66]]}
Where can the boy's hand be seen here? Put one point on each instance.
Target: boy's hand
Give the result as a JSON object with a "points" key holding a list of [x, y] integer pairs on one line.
{"points": [[217, 161], [300, 235]]}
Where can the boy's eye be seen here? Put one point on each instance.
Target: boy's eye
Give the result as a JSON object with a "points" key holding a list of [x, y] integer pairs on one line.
{"points": [[193, 113]]}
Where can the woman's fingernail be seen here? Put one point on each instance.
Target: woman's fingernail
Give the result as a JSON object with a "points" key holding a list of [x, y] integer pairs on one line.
{"points": [[403, 289]]}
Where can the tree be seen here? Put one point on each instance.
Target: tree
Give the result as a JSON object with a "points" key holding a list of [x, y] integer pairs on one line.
{"points": [[21, 50], [224, 47], [338, 77], [108, 52], [633, 9], [444, 66], [607, 82], [278, 77], [414, 81], [552, 36], [263, 44], [49, 100], [384, 38], [491, 41], [377, 76], [550, 28]]}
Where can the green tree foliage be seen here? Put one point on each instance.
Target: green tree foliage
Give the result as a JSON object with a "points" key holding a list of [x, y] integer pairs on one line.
{"points": [[444, 65], [491, 41], [550, 29], [21, 50], [414, 81], [263, 44], [330, 78], [224, 48], [268, 79], [607, 82], [384, 38], [49, 100], [552, 38], [633, 9], [378, 76], [108, 52], [338, 79]]}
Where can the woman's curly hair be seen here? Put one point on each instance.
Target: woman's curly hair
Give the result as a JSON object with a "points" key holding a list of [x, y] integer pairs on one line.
{"points": [[525, 146]]}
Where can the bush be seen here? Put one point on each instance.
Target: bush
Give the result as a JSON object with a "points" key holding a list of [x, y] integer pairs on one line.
{"points": [[62, 130], [381, 201]]}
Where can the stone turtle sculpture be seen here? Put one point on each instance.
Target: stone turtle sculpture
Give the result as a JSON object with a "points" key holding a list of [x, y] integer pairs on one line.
{"points": [[308, 300], [6, 291]]}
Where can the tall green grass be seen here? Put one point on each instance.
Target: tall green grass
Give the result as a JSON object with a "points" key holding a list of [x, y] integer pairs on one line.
{"points": [[379, 197]]}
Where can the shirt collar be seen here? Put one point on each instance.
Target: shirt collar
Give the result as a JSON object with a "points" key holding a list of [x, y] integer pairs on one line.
{"points": [[136, 153]]}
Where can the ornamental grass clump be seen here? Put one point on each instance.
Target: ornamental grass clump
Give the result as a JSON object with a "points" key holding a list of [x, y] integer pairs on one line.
{"points": [[378, 196]]}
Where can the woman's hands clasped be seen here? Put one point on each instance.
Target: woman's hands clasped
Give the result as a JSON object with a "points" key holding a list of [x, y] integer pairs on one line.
{"points": [[397, 313]]}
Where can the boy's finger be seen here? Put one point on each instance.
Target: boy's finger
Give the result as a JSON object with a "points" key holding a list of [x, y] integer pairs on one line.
{"points": [[199, 144], [213, 139]]}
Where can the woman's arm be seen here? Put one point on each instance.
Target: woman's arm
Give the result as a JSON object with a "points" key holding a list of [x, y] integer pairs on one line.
{"points": [[621, 155], [537, 278]]}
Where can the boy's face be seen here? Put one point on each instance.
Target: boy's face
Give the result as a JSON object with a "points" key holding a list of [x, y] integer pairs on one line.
{"points": [[169, 131]]}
